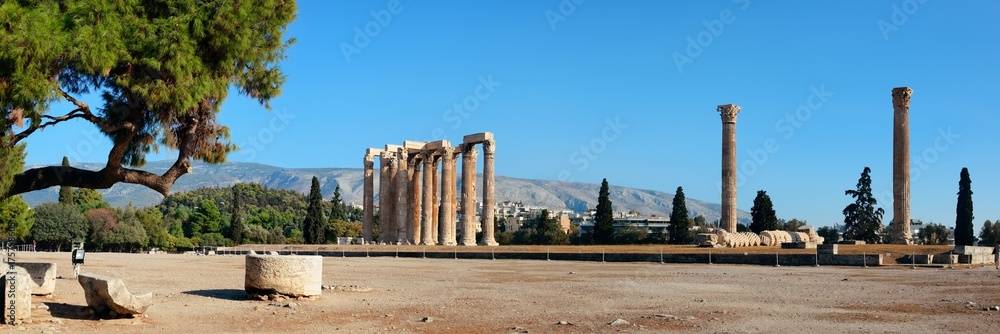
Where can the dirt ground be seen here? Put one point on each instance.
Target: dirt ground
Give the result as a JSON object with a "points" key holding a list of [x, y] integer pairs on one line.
{"points": [[204, 294]]}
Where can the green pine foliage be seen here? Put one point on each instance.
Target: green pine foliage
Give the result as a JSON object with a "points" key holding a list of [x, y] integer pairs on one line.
{"points": [[604, 221], [963, 215], [863, 218], [57, 224], [762, 213], [680, 226], [314, 226]]}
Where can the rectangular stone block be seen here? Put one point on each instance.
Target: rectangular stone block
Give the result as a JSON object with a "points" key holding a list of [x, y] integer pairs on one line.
{"points": [[827, 249], [477, 138], [373, 151], [851, 242], [973, 250], [799, 245], [16, 296], [437, 145], [41, 276], [414, 145]]}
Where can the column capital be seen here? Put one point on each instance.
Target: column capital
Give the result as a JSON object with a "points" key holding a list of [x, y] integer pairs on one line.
{"points": [[901, 97], [728, 112], [469, 151], [447, 152], [489, 147]]}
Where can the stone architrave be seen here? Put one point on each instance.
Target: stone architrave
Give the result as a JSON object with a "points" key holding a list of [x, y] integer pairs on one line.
{"points": [[288, 275], [468, 205], [402, 196], [369, 198], [489, 196], [426, 235], [16, 286], [728, 113], [901, 165], [384, 194], [447, 212], [413, 232], [109, 296]]}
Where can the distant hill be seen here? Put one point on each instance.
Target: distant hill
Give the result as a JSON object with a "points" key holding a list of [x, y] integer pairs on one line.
{"points": [[555, 195]]}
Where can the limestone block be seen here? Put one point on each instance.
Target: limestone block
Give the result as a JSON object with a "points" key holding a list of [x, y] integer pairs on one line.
{"points": [[18, 310], [42, 277], [827, 249], [109, 296], [290, 275]]}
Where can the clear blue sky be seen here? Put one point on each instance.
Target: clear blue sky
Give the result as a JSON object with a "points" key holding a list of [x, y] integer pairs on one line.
{"points": [[559, 80]]}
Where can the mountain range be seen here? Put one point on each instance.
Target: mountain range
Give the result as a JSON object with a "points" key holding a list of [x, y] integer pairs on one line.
{"points": [[554, 195]]}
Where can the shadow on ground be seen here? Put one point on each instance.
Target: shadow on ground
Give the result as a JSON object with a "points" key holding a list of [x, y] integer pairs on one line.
{"points": [[226, 294], [67, 311]]}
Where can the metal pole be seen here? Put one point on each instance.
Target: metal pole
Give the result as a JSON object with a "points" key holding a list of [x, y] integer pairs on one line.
{"points": [[709, 256], [864, 259], [776, 263], [913, 261]]}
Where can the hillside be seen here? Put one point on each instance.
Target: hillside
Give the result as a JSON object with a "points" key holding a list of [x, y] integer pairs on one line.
{"points": [[555, 195]]}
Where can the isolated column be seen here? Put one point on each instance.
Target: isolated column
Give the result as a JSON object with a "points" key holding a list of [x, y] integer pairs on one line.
{"points": [[416, 199], [901, 165], [469, 154], [728, 113], [447, 212], [402, 196], [489, 197], [426, 236], [369, 198]]}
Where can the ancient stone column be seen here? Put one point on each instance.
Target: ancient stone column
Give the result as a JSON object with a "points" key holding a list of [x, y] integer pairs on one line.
{"points": [[426, 236], [387, 219], [384, 194], [402, 196], [369, 198], [469, 155], [453, 229], [489, 197], [416, 200], [436, 197], [728, 113], [447, 211], [901, 165]]}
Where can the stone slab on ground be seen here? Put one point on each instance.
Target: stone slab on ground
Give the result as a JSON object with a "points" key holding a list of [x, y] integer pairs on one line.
{"points": [[16, 282], [827, 249], [799, 245], [109, 296]]}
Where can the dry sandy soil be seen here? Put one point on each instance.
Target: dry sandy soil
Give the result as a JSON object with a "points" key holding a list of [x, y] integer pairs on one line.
{"points": [[204, 294]]}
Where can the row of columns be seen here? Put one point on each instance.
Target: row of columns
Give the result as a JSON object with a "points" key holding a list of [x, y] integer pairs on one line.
{"points": [[417, 204]]}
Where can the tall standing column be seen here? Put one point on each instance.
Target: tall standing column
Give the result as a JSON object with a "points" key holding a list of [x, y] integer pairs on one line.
{"points": [[489, 197], [728, 113], [402, 196], [426, 236], [416, 200], [436, 197], [383, 194], [447, 212], [387, 217], [369, 198], [453, 229], [901, 165], [469, 154]]}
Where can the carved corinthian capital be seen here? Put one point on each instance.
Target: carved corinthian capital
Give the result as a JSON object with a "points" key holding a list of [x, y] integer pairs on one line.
{"points": [[901, 98], [728, 112]]}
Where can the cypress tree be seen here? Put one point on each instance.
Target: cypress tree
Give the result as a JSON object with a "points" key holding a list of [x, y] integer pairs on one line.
{"points": [[314, 231], [65, 192], [236, 223], [963, 218], [604, 221], [762, 212], [680, 225], [338, 211]]}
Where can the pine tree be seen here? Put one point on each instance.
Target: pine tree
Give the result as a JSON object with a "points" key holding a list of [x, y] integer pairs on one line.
{"points": [[863, 219], [963, 218], [314, 231], [338, 211], [762, 213], [65, 192], [680, 225], [236, 223], [604, 221]]}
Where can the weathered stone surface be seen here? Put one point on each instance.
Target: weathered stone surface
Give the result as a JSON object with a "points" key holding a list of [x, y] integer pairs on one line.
{"points": [[290, 275], [109, 296], [728, 113], [799, 245], [42, 276], [901, 165], [827, 249], [18, 310]]}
